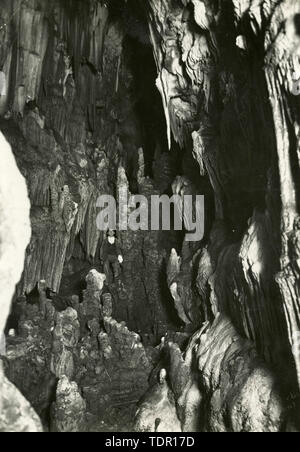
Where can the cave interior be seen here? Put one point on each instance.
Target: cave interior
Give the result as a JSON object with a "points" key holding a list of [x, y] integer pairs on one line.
{"points": [[154, 98]]}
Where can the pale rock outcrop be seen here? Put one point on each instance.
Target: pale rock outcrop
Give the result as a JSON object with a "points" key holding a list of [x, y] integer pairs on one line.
{"points": [[16, 414], [92, 296], [14, 228]]}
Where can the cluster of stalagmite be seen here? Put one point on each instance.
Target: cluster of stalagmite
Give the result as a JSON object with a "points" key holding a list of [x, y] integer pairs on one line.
{"points": [[77, 365]]}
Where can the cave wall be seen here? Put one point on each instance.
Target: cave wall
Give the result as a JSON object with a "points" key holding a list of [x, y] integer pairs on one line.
{"points": [[53, 64], [16, 414], [228, 74], [70, 113], [225, 72], [67, 103], [219, 384]]}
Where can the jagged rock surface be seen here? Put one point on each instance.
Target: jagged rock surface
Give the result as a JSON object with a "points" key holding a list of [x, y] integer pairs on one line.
{"points": [[69, 410], [97, 360], [70, 116], [158, 412], [219, 384], [16, 414], [217, 92]]}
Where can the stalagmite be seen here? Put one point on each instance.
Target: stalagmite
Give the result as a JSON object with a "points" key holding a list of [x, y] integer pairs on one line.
{"points": [[69, 410]]}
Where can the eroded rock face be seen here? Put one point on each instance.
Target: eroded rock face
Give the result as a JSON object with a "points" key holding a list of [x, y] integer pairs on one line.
{"points": [[243, 392], [65, 339], [113, 367], [236, 86], [49, 114], [14, 229], [69, 410], [16, 414], [219, 384], [92, 298], [70, 116], [76, 362], [31, 355], [179, 275]]}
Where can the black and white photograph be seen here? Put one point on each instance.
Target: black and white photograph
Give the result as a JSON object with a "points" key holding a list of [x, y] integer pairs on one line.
{"points": [[149, 219]]}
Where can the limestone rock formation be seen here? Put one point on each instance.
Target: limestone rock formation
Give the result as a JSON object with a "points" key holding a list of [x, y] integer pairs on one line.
{"points": [[15, 227], [91, 306], [253, 176], [69, 409], [158, 412], [113, 368], [243, 391], [65, 339], [16, 414], [219, 384]]}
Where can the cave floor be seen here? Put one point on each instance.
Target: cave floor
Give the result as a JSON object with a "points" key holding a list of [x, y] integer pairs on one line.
{"points": [[102, 427], [120, 420]]}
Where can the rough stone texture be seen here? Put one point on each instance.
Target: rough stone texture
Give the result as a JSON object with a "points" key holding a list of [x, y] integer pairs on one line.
{"points": [[14, 227], [65, 339], [113, 367], [70, 115], [30, 354], [91, 305], [219, 385], [158, 412], [52, 109], [180, 282], [69, 410], [108, 362], [243, 391], [145, 251], [226, 70], [16, 414]]}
